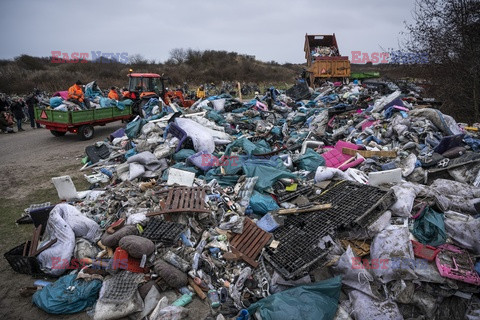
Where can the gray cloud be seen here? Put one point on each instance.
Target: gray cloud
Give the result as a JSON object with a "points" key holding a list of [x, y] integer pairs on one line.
{"points": [[270, 30]]}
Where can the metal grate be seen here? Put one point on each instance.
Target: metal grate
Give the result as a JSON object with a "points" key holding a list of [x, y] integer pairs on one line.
{"points": [[183, 200], [300, 238], [250, 242]]}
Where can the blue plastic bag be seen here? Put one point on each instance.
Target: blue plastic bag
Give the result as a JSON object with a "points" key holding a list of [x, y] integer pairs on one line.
{"points": [[55, 101], [134, 127], [310, 161], [60, 298], [261, 203]]}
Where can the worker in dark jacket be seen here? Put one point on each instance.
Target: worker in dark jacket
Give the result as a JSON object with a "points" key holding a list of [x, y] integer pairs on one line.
{"points": [[17, 110], [31, 101]]}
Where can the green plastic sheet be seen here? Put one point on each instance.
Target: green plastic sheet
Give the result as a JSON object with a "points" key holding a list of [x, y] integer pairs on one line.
{"points": [[316, 301], [429, 228]]}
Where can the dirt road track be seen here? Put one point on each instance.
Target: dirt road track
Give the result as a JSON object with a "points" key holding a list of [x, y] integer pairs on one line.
{"points": [[27, 162]]}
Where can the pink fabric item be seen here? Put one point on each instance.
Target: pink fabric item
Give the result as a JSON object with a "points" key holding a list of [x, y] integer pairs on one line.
{"points": [[63, 94], [336, 159], [369, 124]]}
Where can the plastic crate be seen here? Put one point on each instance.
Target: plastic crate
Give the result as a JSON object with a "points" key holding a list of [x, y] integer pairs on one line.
{"points": [[353, 205], [102, 113], [424, 251], [82, 116], [163, 231], [21, 263]]}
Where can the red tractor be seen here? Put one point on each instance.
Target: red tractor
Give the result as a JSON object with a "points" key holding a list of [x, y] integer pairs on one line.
{"points": [[143, 86]]}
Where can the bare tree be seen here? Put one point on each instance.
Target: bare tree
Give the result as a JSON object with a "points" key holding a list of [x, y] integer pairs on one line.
{"points": [[178, 55], [449, 32]]}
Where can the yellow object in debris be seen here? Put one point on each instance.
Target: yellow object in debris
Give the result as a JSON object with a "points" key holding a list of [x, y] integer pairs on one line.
{"points": [[360, 248], [471, 128], [292, 187]]}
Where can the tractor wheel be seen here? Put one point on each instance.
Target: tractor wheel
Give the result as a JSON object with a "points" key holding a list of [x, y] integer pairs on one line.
{"points": [[58, 133], [85, 132]]}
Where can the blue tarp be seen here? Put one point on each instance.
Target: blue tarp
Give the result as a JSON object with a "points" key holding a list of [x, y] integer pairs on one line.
{"points": [[316, 301], [67, 295]]}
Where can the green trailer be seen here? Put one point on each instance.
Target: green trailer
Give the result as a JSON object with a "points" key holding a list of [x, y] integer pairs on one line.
{"points": [[365, 75], [80, 122]]}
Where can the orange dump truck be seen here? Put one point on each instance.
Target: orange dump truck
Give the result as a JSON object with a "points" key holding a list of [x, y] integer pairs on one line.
{"points": [[324, 61]]}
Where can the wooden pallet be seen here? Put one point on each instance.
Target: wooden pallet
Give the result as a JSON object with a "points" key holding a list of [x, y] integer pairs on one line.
{"points": [[249, 244], [183, 199]]}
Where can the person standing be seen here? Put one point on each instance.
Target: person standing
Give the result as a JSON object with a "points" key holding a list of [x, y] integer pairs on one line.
{"points": [[17, 109], [201, 92], [32, 101]]}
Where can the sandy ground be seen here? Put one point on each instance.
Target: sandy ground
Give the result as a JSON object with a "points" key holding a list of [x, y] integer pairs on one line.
{"points": [[28, 161]]}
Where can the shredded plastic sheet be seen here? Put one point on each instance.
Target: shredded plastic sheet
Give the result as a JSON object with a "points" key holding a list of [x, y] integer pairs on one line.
{"points": [[64, 224], [310, 161], [464, 230], [429, 228], [262, 203], [67, 295], [393, 251], [367, 308], [316, 301]]}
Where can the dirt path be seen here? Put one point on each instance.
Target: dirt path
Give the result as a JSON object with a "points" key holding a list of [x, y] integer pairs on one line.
{"points": [[28, 160]]}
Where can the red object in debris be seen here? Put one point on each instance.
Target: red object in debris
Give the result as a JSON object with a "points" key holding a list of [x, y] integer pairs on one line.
{"points": [[424, 251], [121, 260]]}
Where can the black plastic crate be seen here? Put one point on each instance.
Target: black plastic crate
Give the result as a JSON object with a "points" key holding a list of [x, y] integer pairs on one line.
{"points": [[301, 247], [163, 231], [21, 263]]}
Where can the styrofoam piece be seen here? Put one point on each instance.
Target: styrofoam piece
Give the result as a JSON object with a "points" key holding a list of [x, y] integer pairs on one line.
{"points": [[357, 175], [180, 177], [66, 189], [387, 176]]}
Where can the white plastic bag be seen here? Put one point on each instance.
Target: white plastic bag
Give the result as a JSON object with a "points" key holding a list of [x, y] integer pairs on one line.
{"points": [[392, 250]]}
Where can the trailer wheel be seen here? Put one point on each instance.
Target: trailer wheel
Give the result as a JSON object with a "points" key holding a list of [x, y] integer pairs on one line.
{"points": [[85, 132], [58, 133]]}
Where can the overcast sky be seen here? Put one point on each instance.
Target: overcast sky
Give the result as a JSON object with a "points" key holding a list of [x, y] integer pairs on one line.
{"points": [[267, 29]]}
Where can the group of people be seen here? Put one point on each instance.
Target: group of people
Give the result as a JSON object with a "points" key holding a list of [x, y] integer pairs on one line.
{"points": [[77, 95], [12, 111]]}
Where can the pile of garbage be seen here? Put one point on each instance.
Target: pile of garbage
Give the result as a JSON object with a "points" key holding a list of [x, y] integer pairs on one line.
{"points": [[334, 203]]}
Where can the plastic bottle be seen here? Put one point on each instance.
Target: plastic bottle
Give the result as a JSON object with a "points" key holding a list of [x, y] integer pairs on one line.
{"points": [[183, 300], [243, 315], [214, 298], [176, 261]]}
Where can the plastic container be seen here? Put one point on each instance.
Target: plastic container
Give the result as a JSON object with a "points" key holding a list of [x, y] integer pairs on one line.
{"points": [[183, 300], [214, 298]]}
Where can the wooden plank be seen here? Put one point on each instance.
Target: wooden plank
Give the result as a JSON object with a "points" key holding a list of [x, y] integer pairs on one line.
{"points": [[257, 246], [45, 247], [248, 260], [174, 202], [169, 200], [309, 209], [370, 153], [238, 239], [197, 289]]}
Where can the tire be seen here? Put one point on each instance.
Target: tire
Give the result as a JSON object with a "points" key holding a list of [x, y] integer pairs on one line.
{"points": [[58, 133], [86, 132]]}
